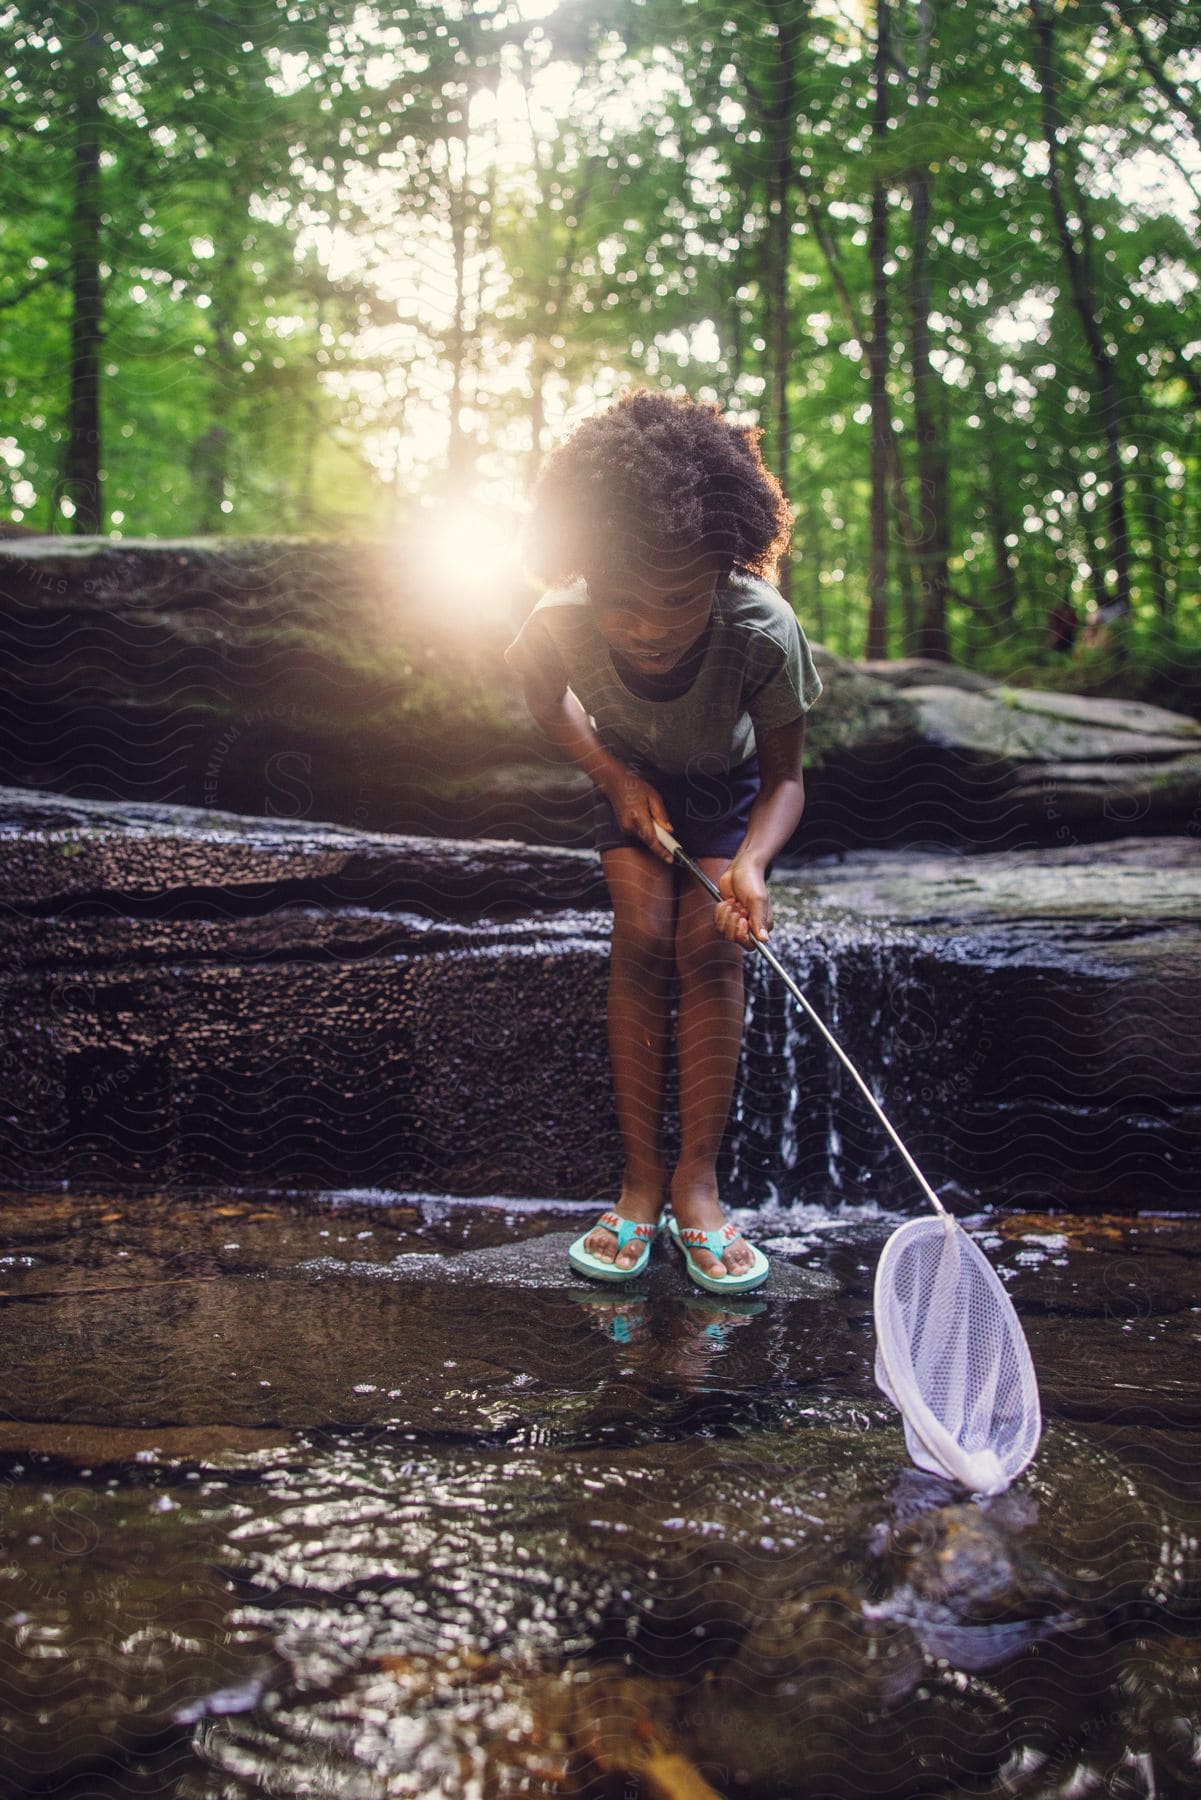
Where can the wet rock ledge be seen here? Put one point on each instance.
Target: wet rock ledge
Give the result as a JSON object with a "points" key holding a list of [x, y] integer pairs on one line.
{"points": [[195, 996], [324, 680]]}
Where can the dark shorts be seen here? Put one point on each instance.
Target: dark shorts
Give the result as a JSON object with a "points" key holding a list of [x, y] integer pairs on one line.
{"points": [[708, 812]]}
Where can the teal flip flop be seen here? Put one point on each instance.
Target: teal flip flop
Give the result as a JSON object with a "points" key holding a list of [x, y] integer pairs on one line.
{"points": [[715, 1242], [623, 1230]]}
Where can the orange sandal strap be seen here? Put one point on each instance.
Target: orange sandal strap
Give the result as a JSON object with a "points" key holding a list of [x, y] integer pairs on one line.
{"points": [[625, 1229]]}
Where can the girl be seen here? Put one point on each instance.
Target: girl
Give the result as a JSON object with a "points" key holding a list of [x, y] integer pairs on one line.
{"points": [[678, 679]]}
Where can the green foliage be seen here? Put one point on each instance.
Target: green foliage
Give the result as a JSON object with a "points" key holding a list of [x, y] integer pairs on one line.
{"points": [[330, 283]]}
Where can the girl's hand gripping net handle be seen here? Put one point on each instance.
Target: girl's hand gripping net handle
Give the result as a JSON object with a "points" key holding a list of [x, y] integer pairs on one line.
{"points": [[669, 843]]}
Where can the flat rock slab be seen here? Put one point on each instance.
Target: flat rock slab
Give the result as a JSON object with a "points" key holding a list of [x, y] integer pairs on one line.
{"points": [[281, 1509], [1018, 725], [1133, 716], [59, 850], [924, 671], [1130, 882]]}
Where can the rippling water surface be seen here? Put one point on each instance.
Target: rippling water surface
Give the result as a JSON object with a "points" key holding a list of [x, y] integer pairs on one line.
{"points": [[368, 1495]]}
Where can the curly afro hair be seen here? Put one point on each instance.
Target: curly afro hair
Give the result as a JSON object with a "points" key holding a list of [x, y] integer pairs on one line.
{"points": [[652, 481]]}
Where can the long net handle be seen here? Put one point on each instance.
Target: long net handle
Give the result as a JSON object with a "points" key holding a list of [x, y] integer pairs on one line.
{"points": [[681, 856]]}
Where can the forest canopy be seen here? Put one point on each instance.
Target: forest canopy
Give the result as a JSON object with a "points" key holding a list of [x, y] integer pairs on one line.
{"points": [[276, 266]]}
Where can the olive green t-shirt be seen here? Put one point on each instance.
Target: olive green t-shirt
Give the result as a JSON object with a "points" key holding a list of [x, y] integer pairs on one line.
{"points": [[757, 673]]}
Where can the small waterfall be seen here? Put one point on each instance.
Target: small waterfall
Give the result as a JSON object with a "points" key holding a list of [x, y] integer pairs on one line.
{"points": [[790, 1087], [832, 1014], [801, 1130]]}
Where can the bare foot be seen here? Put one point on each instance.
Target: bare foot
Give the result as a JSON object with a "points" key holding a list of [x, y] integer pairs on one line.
{"points": [[696, 1206], [643, 1204]]}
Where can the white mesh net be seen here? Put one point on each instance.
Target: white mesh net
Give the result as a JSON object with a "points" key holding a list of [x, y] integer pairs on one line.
{"points": [[952, 1357]]}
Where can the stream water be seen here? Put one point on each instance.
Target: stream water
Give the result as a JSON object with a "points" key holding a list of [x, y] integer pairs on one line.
{"points": [[365, 1494]]}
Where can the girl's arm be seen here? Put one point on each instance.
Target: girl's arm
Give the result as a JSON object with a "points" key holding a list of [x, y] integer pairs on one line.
{"points": [[746, 904], [565, 723], [637, 804]]}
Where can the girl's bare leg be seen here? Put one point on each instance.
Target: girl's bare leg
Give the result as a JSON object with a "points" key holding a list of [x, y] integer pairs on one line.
{"points": [[641, 966], [710, 1034]]}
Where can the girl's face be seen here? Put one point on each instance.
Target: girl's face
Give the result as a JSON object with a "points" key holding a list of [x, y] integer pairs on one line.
{"points": [[653, 618]]}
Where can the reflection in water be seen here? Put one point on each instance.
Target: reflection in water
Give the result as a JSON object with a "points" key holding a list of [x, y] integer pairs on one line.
{"points": [[310, 1511]]}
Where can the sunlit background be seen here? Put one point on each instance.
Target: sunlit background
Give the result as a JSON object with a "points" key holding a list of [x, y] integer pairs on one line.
{"points": [[362, 267]]}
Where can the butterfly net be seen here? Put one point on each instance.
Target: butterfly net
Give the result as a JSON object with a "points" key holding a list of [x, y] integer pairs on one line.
{"points": [[952, 1357]]}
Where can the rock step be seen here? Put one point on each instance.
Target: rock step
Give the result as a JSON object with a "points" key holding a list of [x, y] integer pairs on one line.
{"points": [[312, 681], [275, 1002]]}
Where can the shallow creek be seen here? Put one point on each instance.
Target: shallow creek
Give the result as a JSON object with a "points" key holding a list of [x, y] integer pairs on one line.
{"points": [[365, 1494]]}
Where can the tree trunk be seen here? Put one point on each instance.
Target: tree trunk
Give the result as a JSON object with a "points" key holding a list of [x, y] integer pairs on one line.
{"points": [[736, 357], [81, 480], [1154, 526], [1078, 261], [1095, 580], [933, 535], [896, 476], [456, 450], [876, 646], [211, 455], [814, 550], [779, 244], [1001, 527], [307, 510], [210, 461], [1003, 589], [484, 208], [545, 358], [537, 417], [779, 340]]}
